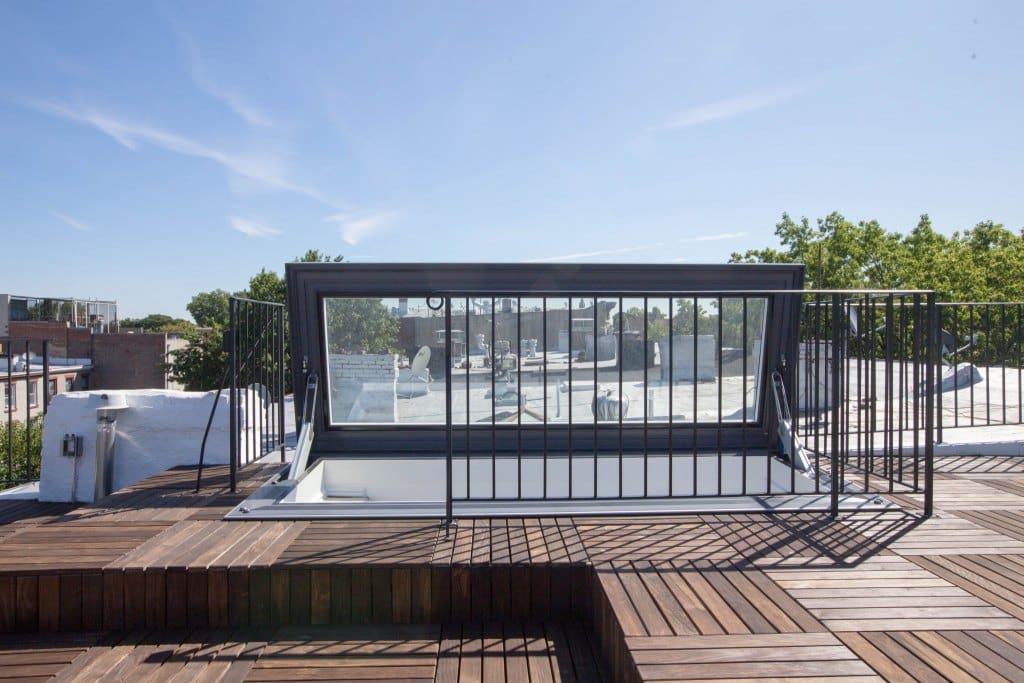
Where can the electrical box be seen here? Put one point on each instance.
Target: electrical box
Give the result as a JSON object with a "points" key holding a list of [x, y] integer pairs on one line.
{"points": [[71, 446]]}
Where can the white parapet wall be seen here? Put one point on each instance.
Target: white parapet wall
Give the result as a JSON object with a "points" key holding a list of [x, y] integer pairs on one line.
{"points": [[157, 430]]}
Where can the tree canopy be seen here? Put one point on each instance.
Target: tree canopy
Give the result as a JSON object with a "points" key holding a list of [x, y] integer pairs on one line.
{"points": [[359, 325], [983, 263], [157, 322]]}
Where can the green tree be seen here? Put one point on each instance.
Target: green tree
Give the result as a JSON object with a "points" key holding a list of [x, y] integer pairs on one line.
{"points": [[210, 309], [157, 322], [266, 285], [200, 365], [356, 325], [360, 326], [25, 442]]}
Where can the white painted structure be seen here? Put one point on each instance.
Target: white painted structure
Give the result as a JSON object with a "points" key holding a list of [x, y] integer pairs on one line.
{"points": [[155, 431]]}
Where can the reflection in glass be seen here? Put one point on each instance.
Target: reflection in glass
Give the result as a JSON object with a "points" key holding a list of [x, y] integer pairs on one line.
{"points": [[529, 360]]}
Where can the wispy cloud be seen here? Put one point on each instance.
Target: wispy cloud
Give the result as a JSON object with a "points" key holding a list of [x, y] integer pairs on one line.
{"points": [[592, 254], [77, 225], [228, 96], [261, 169], [716, 237], [355, 228], [252, 228], [730, 108]]}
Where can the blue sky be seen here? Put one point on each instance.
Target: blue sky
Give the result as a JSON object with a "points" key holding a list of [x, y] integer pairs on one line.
{"points": [[150, 151]]}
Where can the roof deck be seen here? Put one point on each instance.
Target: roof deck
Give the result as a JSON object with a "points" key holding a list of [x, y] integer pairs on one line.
{"points": [[152, 581]]}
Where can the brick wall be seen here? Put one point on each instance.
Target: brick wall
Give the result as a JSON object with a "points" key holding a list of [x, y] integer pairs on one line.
{"points": [[128, 361], [55, 333], [120, 361]]}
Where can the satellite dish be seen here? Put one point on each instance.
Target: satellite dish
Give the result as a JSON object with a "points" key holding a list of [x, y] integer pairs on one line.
{"points": [[420, 361]]}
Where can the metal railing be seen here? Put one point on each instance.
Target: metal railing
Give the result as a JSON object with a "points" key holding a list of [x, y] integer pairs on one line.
{"points": [[255, 381], [981, 348], [861, 413], [867, 387], [24, 399]]}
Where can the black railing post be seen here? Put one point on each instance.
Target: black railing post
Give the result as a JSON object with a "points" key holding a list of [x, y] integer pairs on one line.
{"points": [[838, 358], [449, 436], [929, 447], [937, 343], [46, 376], [280, 380], [12, 396], [28, 410], [232, 348]]}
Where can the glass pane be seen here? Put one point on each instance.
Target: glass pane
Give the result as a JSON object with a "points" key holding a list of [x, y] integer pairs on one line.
{"points": [[385, 360]]}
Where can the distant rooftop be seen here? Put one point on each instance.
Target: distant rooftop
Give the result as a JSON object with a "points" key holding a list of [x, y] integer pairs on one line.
{"points": [[98, 315]]}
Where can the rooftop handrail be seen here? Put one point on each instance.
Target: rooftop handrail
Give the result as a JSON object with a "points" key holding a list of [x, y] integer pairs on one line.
{"points": [[268, 336]]}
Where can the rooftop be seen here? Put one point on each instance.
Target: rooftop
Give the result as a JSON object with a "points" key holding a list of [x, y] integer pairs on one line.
{"points": [[152, 580]]}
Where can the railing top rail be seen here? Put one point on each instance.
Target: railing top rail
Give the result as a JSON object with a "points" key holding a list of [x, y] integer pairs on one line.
{"points": [[699, 293], [951, 304], [257, 301]]}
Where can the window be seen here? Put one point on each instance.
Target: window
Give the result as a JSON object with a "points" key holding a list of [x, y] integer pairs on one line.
{"points": [[52, 384], [10, 398], [681, 360], [69, 384], [33, 394]]}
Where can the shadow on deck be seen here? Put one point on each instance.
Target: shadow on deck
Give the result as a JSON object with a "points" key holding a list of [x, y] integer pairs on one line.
{"points": [[151, 580]]}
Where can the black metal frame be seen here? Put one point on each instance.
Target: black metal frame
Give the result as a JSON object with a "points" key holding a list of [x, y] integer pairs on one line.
{"points": [[10, 347], [310, 283], [910, 338]]}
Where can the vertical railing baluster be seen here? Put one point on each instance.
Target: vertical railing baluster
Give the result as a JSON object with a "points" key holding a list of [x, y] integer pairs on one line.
{"points": [[233, 401], [544, 333], [718, 411], [520, 406], [449, 440], [696, 434], [929, 448], [619, 362], [494, 401], [671, 387], [743, 394], [594, 403], [889, 350], [279, 354], [646, 402], [837, 374], [569, 450]]}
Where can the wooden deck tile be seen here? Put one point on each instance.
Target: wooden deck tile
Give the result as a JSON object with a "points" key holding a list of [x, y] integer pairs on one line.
{"points": [[32, 657], [650, 539], [756, 537], [1009, 523], [18, 515], [998, 580], [939, 656], [753, 656], [939, 535], [973, 464], [835, 596], [362, 542], [74, 544], [970, 494]]}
